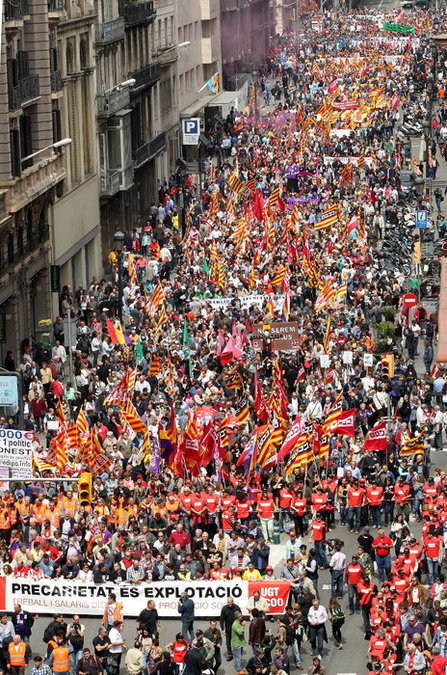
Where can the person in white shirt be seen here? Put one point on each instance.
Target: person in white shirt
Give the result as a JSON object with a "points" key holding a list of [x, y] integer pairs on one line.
{"points": [[117, 645], [337, 566], [314, 411], [438, 424], [317, 618]]}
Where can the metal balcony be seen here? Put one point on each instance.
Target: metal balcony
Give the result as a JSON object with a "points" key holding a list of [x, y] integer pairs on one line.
{"points": [[56, 81], [149, 150], [147, 76], [16, 12], [137, 12], [110, 31], [111, 101], [27, 89]]}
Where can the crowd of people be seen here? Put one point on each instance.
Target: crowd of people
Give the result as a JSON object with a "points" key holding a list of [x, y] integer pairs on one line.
{"points": [[204, 436]]}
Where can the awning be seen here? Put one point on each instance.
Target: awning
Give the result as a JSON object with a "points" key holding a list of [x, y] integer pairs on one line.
{"points": [[198, 105]]}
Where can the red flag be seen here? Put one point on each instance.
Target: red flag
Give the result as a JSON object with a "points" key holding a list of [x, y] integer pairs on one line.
{"points": [[258, 206], [344, 424], [289, 442], [376, 438], [260, 405], [301, 375]]}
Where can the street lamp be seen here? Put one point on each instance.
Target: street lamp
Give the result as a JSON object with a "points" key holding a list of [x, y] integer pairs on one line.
{"points": [[59, 144], [118, 241]]}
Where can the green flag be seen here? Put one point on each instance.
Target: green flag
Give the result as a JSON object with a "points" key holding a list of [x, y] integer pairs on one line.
{"points": [[140, 354], [186, 346], [206, 267], [398, 28]]}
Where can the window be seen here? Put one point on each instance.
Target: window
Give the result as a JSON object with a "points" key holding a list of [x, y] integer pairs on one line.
{"points": [[20, 247], [84, 52], [26, 147], [57, 127], [69, 56], [14, 143]]}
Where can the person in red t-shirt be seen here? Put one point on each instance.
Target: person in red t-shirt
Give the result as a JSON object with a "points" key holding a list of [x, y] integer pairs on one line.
{"points": [[374, 498], [439, 663], [433, 550], [354, 574], [382, 546], [179, 536], [356, 496], [319, 530], [299, 508]]}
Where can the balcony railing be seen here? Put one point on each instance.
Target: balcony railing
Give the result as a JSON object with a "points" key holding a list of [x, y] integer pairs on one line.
{"points": [[137, 12], [35, 180], [56, 81], [147, 76], [111, 101], [27, 89], [56, 5], [110, 31], [114, 181], [16, 12], [147, 151]]}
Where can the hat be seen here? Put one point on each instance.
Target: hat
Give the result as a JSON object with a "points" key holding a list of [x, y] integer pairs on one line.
{"points": [[292, 533], [269, 568]]}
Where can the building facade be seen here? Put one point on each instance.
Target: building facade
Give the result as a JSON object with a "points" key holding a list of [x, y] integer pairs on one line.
{"points": [[75, 227], [31, 171], [245, 36]]}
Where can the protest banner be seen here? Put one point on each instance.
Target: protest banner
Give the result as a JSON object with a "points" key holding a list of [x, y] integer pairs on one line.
{"points": [[16, 452], [49, 596]]}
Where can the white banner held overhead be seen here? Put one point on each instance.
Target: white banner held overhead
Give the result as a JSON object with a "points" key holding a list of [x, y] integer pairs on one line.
{"points": [[16, 452]]}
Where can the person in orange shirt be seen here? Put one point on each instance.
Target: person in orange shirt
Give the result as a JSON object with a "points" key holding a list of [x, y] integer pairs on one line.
{"points": [[5, 522], [70, 505], [173, 508]]}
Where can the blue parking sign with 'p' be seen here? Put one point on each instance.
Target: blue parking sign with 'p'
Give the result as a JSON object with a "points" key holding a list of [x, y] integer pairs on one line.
{"points": [[191, 131], [422, 219]]}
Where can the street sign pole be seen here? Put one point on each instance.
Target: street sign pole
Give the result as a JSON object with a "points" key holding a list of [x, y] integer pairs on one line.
{"points": [[70, 352]]}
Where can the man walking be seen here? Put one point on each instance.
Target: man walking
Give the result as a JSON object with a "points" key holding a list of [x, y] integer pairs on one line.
{"points": [[17, 661], [186, 610], [317, 618], [227, 617], [238, 641], [337, 565]]}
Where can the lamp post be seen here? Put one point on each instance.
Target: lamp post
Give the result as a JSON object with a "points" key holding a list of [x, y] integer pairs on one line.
{"points": [[118, 241], [59, 144]]}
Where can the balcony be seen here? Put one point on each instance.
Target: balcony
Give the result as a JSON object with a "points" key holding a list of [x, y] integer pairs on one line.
{"points": [[27, 89], [111, 101], [135, 13], [110, 31], [147, 76], [166, 57], [34, 181], [147, 151], [56, 81], [114, 181], [16, 12]]}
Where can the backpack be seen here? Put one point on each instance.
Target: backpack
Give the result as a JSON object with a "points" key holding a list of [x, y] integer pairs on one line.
{"points": [[337, 613]]}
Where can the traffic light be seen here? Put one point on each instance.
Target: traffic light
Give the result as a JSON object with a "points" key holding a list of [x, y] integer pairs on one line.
{"points": [[388, 365], [85, 489]]}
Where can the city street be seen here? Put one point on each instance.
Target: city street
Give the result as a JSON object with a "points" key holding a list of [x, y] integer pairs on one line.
{"points": [[349, 661]]}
